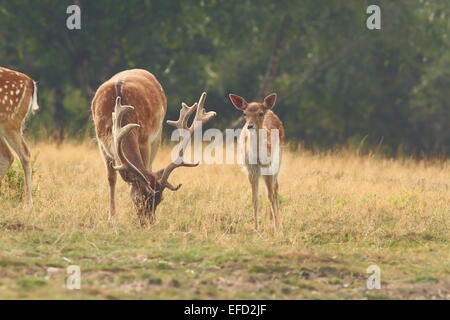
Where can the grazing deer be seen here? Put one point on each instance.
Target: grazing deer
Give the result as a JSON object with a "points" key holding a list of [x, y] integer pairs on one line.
{"points": [[128, 112], [18, 95], [261, 135]]}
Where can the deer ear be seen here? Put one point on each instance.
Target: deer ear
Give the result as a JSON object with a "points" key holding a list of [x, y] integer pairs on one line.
{"points": [[238, 102], [269, 101]]}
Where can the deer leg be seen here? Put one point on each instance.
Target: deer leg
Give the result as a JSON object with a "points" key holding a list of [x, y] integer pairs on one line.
{"points": [[112, 179], [254, 181], [145, 152], [6, 159], [148, 152], [17, 143], [154, 147], [272, 194], [276, 203]]}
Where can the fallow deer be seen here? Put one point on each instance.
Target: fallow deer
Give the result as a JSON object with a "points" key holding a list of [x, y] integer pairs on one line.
{"points": [[18, 95], [128, 112], [260, 149]]}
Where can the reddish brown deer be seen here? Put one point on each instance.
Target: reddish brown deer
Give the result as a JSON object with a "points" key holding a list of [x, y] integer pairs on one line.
{"points": [[128, 112], [18, 95], [260, 139]]}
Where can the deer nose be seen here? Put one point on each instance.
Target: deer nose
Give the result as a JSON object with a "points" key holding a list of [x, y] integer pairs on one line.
{"points": [[250, 126]]}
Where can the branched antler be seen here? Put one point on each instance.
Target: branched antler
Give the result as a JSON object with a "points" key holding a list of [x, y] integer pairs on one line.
{"points": [[201, 117]]}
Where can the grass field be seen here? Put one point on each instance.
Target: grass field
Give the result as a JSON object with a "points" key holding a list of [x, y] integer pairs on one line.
{"points": [[341, 214]]}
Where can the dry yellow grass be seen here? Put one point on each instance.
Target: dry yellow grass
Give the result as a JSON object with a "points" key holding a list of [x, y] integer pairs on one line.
{"points": [[341, 213]]}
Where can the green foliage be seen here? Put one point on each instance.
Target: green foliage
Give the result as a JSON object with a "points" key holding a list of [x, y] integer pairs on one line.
{"points": [[31, 283], [337, 81], [13, 183]]}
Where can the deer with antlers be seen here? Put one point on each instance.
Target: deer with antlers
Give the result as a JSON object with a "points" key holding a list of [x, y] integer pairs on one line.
{"points": [[18, 95], [128, 112], [259, 149]]}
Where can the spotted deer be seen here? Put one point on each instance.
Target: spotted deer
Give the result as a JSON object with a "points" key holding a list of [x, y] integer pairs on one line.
{"points": [[260, 149], [128, 112], [18, 95]]}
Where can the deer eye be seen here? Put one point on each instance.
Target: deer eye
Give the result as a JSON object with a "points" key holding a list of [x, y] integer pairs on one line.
{"points": [[261, 114]]}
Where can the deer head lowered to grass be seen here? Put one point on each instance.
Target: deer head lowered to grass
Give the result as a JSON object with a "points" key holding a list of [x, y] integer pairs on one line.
{"points": [[128, 112]]}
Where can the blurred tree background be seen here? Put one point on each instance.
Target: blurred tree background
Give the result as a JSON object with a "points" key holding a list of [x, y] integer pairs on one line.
{"points": [[338, 83]]}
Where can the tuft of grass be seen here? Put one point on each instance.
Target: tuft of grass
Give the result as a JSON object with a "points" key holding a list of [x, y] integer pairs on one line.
{"points": [[13, 182], [31, 283], [12, 185], [424, 279]]}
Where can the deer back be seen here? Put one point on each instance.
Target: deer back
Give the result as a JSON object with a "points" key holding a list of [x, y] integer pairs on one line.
{"points": [[138, 88], [16, 95], [271, 121]]}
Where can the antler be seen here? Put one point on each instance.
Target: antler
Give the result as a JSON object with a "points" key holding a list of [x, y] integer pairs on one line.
{"points": [[201, 116], [118, 133]]}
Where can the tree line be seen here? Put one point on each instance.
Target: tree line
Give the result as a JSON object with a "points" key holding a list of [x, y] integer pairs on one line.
{"points": [[338, 83]]}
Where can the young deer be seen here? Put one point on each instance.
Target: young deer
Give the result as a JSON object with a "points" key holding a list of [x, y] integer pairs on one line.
{"points": [[259, 149], [129, 135], [18, 95]]}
